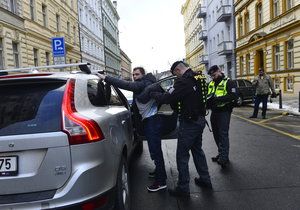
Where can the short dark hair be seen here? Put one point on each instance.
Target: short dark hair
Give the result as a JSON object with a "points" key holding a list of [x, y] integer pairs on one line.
{"points": [[141, 69], [213, 69], [175, 64]]}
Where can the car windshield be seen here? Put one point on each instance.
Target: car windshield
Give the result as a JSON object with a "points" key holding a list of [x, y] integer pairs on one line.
{"points": [[30, 108]]}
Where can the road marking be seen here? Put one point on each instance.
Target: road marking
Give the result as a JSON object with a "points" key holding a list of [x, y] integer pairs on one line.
{"points": [[297, 137], [272, 118], [286, 125]]}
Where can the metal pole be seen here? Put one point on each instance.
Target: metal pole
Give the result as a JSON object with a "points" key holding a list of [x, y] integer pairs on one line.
{"points": [[280, 99], [299, 102]]}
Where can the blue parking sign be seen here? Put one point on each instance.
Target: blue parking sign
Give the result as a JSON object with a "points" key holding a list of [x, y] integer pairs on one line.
{"points": [[58, 47]]}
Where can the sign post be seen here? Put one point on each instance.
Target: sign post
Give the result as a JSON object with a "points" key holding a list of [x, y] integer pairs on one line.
{"points": [[58, 50]]}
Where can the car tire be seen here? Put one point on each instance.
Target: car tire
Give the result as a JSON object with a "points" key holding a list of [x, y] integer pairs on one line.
{"points": [[239, 101], [122, 188]]}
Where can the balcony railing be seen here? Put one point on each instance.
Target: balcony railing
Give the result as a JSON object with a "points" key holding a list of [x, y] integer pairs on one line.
{"points": [[225, 48], [204, 59], [202, 12], [203, 35], [224, 13]]}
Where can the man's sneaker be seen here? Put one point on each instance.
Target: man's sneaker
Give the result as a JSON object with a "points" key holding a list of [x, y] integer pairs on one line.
{"points": [[178, 193], [253, 116], [156, 187], [151, 174], [215, 159], [202, 183]]}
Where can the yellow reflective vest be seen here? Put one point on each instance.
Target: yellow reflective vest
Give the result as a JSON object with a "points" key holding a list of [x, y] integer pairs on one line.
{"points": [[221, 90]]}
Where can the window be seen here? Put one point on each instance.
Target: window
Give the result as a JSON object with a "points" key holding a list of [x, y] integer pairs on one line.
{"points": [[44, 13], [241, 65], [248, 63], [16, 54], [47, 55], [35, 57], [276, 57], [275, 8], [1, 54], [240, 22], [241, 83], [114, 99], [74, 32], [247, 23], [12, 5], [289, 84], [277, 83], [289, 4], [57, 22], [259, 15], [96, 93], [68, 28], [290, 54], [32, 9], [80, 14]]}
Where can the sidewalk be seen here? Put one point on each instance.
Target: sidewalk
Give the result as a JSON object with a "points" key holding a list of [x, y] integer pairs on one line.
{"points": [[290, 106]]}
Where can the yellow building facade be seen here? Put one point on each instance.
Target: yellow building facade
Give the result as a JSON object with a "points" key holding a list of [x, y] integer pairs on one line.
{"points": [[194, 48], [268, 36], [27, 40]]}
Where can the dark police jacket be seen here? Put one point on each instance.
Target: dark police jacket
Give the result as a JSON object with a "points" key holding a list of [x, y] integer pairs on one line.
{"points": [[187, 91]]}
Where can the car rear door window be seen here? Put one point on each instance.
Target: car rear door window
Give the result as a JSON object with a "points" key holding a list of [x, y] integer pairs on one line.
{"points": [[27, 108], [96, 93], [248, 83]]}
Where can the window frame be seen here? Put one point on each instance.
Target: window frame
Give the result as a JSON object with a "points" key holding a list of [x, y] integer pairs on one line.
{"points": [[32, 9], [35, 57], [1, 53], [15, 49], [259, 15], [44, 14]]}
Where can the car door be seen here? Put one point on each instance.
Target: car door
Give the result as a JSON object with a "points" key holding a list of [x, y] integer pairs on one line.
{"points": [[250, 89]]}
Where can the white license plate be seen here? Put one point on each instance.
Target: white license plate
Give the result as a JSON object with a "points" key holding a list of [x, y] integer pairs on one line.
{"points": [[9, 166]]}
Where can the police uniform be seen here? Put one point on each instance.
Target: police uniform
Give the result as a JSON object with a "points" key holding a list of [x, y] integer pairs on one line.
{"points": [[190, 91], [221, 97]]}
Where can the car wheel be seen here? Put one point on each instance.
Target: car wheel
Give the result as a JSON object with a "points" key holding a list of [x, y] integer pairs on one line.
{"points": [[239, 101], [123, 193]]}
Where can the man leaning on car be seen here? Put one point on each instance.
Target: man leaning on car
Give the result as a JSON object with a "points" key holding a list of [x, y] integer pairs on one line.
{"points": [[150, 120]]}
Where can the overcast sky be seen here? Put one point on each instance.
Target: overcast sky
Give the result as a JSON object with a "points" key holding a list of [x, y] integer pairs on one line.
{"points": [[151, 32]]}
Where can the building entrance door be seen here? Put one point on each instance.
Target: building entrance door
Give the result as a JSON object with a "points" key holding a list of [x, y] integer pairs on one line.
{"points": [[259, 61]]}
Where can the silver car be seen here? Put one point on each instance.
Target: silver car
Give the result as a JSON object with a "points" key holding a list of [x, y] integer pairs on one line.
{"points": [[65, 141]]}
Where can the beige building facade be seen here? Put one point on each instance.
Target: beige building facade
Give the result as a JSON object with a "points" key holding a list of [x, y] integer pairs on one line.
{"points": [[268, 36], [192, 28], [126, 70], [25, 40]]}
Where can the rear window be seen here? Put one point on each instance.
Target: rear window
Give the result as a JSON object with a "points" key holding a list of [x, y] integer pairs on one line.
{"points": [[31, 107]]}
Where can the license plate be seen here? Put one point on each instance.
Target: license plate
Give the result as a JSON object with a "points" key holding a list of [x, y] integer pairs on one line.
{"points": [[9, 166]]}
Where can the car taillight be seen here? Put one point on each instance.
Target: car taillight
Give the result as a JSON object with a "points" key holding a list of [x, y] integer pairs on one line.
{"points": [[95, 203], [80, 129]]}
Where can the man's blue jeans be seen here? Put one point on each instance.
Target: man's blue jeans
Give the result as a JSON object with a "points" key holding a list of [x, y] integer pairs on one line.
{"points": [[152, 131], [258, 100], [190, 138], [220, 126]]}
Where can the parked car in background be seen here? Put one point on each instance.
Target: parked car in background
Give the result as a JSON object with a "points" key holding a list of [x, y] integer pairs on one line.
{"points": [[65, 142], [245, 91]]}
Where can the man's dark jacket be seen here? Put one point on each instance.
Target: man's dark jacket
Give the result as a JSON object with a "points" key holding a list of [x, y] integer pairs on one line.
{"points": [[186, 91], [136, 87]]}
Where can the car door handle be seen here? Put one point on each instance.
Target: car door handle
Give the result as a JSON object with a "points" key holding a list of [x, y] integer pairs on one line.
{"points": [[123, 122]]}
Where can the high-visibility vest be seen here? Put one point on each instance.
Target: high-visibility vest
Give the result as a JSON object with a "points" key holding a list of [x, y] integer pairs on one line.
{"points": [[221, 90]]}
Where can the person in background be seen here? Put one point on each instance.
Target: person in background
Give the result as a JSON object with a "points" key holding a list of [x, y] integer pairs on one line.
{"points": [[264, 87], [220, 99], [150, 120], [188, 91]]}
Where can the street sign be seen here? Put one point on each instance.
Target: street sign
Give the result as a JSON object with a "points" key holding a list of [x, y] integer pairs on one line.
{"points": [[58, 50], [58, 47]]}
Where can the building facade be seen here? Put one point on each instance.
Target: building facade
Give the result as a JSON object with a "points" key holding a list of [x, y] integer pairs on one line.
{"points": [[126, 70], [268, 36], [12, 34], [112, 54], [91, 33], [26, 36], [218, 34], [192, 27]]}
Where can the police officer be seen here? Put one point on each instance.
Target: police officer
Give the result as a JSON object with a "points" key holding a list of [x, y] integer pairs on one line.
{"points": [[190, 90], [220, 99]]}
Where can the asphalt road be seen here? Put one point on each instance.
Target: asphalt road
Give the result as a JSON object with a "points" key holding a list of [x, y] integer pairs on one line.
{"points": [[264, 171]]}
